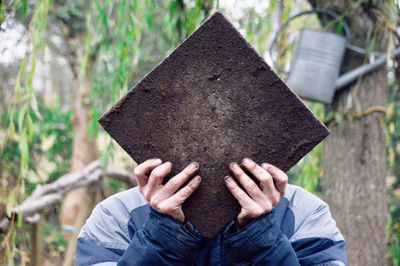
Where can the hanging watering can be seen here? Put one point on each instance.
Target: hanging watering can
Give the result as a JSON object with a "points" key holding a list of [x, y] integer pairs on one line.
{"points": [[317, 59]]}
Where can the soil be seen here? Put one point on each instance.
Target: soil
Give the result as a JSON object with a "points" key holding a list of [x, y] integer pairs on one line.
{"points": [[213, 100]]}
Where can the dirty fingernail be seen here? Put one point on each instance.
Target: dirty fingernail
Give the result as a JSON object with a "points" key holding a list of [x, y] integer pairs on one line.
{"points": [[194, 165]]}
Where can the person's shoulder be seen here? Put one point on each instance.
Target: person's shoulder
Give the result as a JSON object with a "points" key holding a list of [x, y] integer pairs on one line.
{"points": [[108, 225], [299, 198], [124, 201], [312, 217]]}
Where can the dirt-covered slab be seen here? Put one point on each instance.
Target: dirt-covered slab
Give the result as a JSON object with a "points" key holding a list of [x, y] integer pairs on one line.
{"points": [[213, 100]]}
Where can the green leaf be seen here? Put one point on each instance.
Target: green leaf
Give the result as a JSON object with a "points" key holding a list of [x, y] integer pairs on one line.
{"points": [[21, 117], [23, 9], [10, 203], [19, 220], [94, 115], [35, 108], [31, 72], [11, 126], [339, 28], [24, 149], [329, 116], [30, 128]]}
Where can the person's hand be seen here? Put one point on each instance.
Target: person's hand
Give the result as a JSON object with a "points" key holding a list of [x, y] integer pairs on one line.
{"points": [[256, 200], [166, 199]]}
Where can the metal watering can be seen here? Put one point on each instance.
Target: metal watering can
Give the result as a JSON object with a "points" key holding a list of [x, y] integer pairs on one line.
{"points": [[317, 59]]}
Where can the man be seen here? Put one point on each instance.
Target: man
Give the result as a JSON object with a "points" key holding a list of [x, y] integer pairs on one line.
{"points": [[279, 224]]}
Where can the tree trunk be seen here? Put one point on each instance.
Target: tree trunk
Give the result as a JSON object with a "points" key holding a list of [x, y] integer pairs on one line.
{"points": [[83, 210], [36, 255], [84, 148], [354, 155]]}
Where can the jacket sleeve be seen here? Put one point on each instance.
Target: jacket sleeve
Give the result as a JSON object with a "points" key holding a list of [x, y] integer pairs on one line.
{"points": [[263, 243], [317, 240], [260, 243], [161, 241]]}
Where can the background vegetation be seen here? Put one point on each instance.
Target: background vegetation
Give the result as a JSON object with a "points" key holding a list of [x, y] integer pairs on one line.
{"points": [[53, 51]]}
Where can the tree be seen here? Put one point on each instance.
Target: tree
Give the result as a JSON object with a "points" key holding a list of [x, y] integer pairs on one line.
{"points": [[354, 156], [110, 45]]}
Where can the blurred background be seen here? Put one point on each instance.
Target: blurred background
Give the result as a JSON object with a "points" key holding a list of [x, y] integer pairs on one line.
{"points": [[64, 63]]}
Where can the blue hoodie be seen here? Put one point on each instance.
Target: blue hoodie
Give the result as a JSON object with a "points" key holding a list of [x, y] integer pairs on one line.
{"points": [[124, 230]]}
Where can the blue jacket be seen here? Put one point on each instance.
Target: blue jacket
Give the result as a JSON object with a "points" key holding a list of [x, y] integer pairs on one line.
{"points": [[125, 230]]}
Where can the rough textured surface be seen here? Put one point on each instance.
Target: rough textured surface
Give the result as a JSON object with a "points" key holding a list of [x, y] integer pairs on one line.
{"points": [[354, 157], [213, 100]]}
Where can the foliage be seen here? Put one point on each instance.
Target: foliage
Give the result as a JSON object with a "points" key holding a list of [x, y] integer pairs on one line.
{"points": [[112, 44], [49, 156], [393, 143], [104, 41], [308, 172]]}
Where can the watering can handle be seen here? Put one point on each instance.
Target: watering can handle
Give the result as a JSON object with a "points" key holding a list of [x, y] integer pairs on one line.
{"points": [[311, 11]]}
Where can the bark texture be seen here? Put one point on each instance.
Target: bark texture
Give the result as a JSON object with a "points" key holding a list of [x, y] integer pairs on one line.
{"points": [[354, 155], [83, 149]]}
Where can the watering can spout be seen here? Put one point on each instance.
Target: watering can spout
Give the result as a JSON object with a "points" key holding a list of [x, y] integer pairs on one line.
{"points": [[352, 75], [317, 60]]}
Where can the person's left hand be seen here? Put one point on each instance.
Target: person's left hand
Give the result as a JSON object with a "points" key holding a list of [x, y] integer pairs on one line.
{"points": [[257, 200]]}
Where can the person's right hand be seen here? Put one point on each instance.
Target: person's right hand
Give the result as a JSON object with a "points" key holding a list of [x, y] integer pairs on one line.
{"points": [[166, 199], [254, 199]]}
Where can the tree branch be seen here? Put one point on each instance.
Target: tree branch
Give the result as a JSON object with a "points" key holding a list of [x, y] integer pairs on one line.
{"points": [[122, 175], [49, 194]]}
